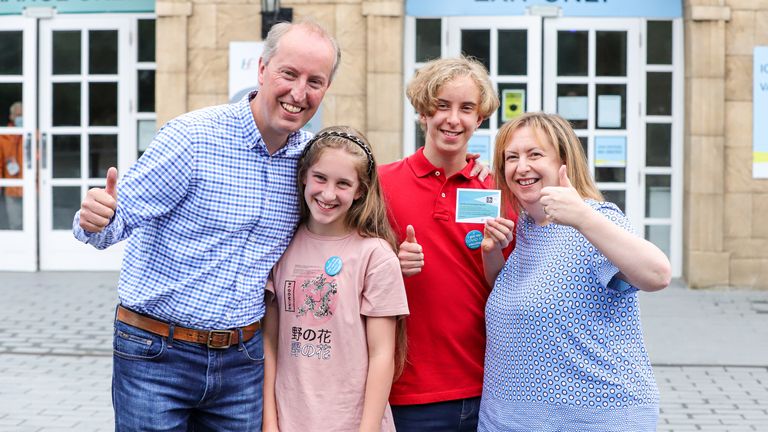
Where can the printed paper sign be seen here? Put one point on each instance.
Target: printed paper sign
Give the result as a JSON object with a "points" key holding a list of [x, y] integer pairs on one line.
{"points": [[477, 205], [514, 104]]}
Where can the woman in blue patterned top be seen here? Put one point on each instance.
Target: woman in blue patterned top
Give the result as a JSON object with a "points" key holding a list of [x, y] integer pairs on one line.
{"points": [[565, 347]]}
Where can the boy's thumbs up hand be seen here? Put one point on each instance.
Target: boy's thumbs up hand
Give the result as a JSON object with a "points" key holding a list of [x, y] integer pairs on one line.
{"points": [[410, 254]]}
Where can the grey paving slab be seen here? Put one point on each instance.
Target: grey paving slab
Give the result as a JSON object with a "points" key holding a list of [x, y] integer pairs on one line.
{"points": [[712, 327]]}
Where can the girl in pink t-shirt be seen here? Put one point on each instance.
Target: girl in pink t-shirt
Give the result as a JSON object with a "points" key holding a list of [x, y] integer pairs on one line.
{"points": [[332, 338]]}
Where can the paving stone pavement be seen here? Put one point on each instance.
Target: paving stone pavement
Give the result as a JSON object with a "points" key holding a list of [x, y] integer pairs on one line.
{"points": [[709, 349]]}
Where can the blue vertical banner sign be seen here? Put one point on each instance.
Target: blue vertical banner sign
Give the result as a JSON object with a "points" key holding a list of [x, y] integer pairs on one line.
{"points": [[760, 113]]}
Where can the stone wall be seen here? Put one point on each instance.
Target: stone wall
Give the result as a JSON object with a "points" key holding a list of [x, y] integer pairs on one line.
{"points": [[725, 230], [192, 50]]}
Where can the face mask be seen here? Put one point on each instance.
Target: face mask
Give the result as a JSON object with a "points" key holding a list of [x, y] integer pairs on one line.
{"points": [[18, 121]]}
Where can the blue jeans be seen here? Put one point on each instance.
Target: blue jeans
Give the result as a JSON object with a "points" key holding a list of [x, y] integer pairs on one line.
{"points": [[162, 386], [457, 415]]}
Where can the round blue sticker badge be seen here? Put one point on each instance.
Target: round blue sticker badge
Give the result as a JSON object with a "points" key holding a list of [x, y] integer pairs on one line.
{"points": [[333, 266], [473, 239]]}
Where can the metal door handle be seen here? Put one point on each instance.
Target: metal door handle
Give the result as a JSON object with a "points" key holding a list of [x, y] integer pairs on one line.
{"points": [[28, 150], [43, 150]]}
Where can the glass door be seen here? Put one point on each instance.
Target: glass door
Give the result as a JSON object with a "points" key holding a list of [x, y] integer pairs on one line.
{"points": [[592, 68], [510, 49], [84, 128], [18, 200]]}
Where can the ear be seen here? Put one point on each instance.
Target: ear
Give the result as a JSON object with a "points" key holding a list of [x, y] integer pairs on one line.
{"points": [[262, 67], [359, 194], [479, 121]]}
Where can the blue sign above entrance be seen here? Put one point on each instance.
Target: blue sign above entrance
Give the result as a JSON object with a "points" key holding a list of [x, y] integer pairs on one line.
{"points": [[16, 7], [568, 8]]}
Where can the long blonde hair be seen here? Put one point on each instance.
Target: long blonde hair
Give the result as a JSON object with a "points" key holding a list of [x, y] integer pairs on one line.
{"points": [[368, 214], [558, 132]]}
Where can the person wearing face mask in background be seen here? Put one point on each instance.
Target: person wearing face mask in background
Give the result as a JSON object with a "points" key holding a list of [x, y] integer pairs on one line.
{"points": [[11, 157]]}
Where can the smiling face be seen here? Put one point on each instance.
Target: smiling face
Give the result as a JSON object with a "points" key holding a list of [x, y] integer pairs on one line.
{"points": [[292, 84], [455, 119], [330, 187], [530, 164]]}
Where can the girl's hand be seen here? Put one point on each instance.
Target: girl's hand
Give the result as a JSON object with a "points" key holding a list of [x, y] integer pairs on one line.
{"points": [[498, 234], [562, 204]]}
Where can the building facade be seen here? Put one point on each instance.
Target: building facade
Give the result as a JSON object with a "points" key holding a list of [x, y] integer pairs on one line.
{"points": [[660, 93]]}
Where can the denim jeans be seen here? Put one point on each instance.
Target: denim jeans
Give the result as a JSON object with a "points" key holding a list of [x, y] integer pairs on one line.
{"points": [[457, 415], [162, 386]]}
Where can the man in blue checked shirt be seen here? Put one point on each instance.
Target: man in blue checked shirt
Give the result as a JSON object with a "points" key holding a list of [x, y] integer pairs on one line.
{"points": [[210, 208]]}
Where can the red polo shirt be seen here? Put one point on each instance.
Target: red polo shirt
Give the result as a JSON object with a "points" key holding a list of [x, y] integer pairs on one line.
{"points": [[446, 326]]}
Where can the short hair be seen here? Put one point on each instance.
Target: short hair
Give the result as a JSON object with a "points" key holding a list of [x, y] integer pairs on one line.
{"points": [[429, 79], [281, 29], [15, 110], [559, 133]]}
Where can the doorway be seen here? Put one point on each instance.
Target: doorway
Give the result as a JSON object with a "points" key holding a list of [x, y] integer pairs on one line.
{"points": [[85, 86]]}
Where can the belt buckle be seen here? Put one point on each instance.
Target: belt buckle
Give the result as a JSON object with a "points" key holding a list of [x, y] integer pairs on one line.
{"points": [[213, 333]]}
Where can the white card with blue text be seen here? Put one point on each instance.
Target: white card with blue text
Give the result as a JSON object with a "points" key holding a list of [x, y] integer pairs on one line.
{"points": [[477, 205]]}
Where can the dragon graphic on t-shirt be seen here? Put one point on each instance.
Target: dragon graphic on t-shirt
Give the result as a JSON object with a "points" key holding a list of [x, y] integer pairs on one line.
{"points": [[319, 292]]}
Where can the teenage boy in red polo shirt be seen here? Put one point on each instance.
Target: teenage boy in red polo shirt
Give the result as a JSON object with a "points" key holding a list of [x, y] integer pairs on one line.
{"points": [[441, 385]]}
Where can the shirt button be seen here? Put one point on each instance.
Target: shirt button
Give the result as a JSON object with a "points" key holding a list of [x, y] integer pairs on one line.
{"points": [[437, 173], [442, 194]]}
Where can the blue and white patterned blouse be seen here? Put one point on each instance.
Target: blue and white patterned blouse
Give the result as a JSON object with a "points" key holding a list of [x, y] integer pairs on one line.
{"points": [[565, 347], [208, 211]]}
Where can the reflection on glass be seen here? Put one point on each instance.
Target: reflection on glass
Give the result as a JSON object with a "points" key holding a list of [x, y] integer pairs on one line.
{"points": [[611, 107], [66, 52], [146, 132], [102, 155], [65, 156], [10, 93], [658, 144], [509, 104], [572, 53], [146, 91], [660, 236], [102, 58], [572, 104], [12, 209], [11, 49], [146, 40], [617, 197], [12, 168], [513, 52], [659, 47], [611, 175], [658, 196], [420, 138], [427, 39], [611, 53], [659, 93], [66, 104], [103, 104], [66, 202], [477, 44]]}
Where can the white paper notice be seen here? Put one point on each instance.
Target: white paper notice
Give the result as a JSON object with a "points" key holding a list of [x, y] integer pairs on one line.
{"points": [[573, 107], [609, 111]]}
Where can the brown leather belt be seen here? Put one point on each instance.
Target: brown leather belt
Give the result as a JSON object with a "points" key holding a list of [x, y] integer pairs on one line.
{"points": [[219, 339]]}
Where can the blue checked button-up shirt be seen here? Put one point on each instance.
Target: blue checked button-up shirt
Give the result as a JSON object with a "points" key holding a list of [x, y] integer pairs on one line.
{"points": [[209, 212]]}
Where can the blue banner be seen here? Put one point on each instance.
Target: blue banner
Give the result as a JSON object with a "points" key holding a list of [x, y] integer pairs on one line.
{"points": [[16, 7], [666, 9]]}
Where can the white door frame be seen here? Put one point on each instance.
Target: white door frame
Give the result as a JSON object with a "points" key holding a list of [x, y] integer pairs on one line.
{"points": [[633, 82], [60, 250], [18, 249]]}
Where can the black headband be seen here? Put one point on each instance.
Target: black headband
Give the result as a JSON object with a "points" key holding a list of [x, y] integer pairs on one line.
{"points": [[344, 135]]}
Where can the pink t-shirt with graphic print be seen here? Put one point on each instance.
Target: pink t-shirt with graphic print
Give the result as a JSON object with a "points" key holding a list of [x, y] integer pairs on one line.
{"points": [[322, 354]]}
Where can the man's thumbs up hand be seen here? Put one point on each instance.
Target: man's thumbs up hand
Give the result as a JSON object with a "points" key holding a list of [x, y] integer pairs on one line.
{"points": [[99, 205]]}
